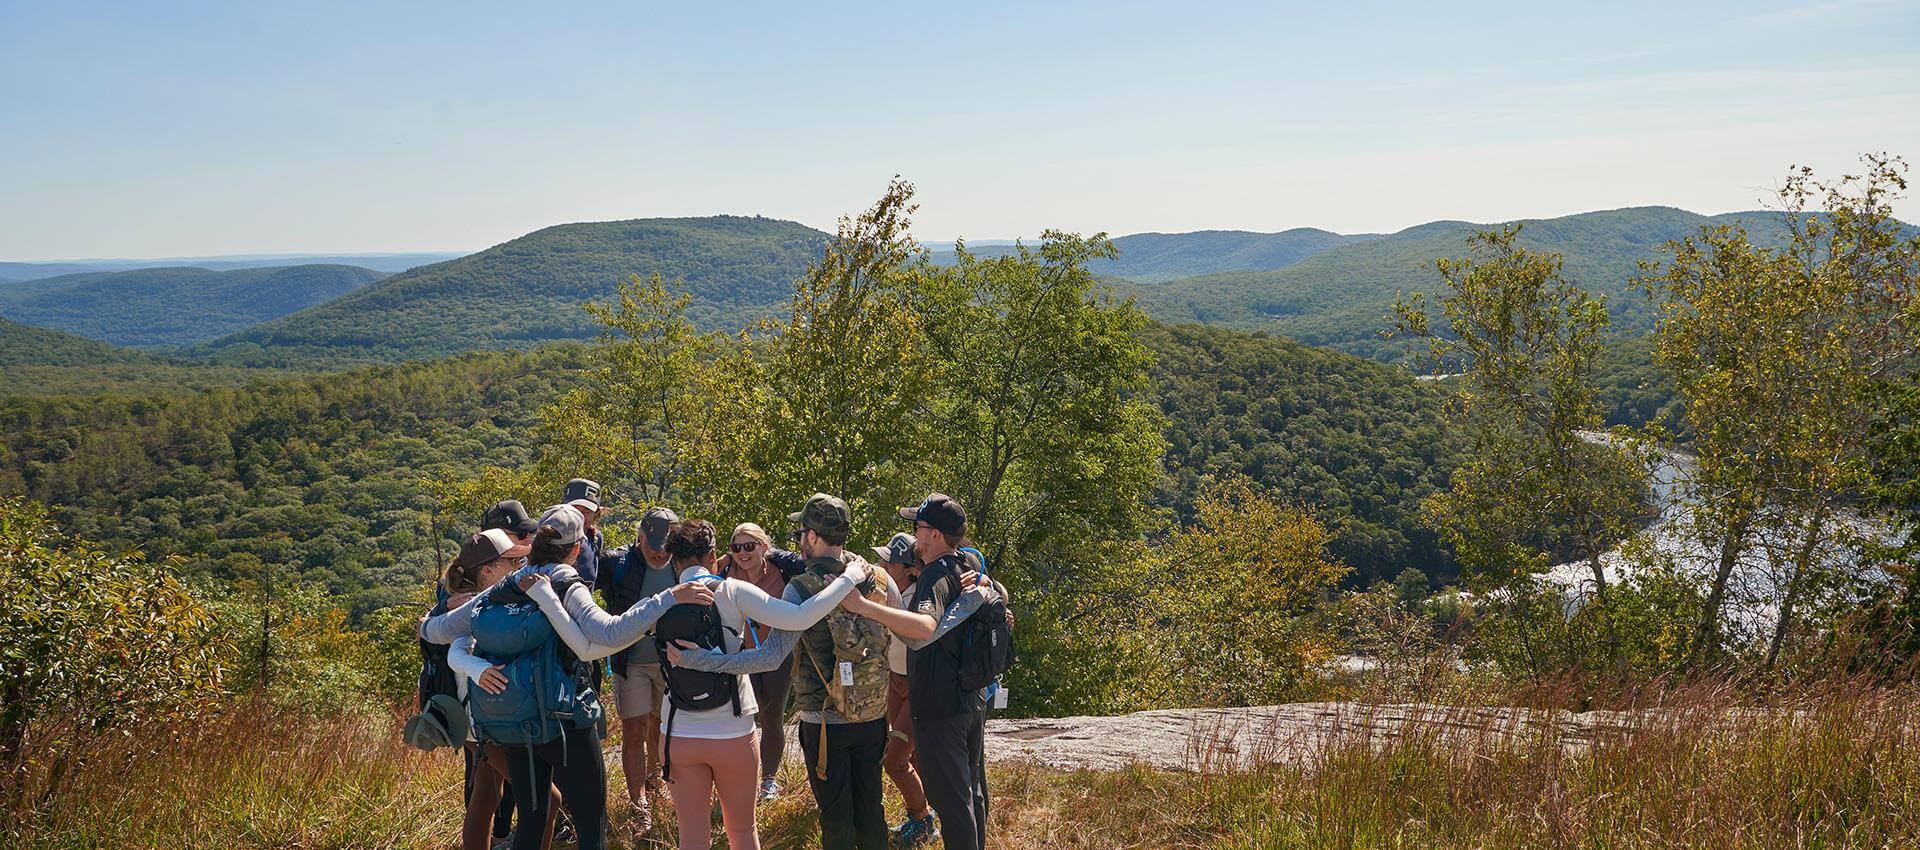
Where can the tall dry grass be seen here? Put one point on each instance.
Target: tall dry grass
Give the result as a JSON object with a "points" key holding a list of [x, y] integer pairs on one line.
{"points": [[1705, 767]]}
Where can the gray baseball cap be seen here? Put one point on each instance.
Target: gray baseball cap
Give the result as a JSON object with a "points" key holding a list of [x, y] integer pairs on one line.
{"points": [[566, 520], [655, 523]]}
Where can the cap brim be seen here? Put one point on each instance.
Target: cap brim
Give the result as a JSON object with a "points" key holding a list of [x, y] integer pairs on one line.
{"points": [[588, 504], [910, 514], [530, 526], [883, 553]]}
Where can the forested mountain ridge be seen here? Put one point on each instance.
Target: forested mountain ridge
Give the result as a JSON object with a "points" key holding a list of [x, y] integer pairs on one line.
{"points": [[385, 262], [1342, 297], [26, 345], [528, 290], [332, 477], [1147, 258], [176, 306]]}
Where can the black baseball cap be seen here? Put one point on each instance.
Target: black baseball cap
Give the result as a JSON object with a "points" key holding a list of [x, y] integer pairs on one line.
{"points": [[655, 523], [509, 516], [940, 511], [582, 493]]}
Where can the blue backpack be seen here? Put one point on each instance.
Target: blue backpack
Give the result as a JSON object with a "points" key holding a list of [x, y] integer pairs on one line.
{"points": [[549, 691]]}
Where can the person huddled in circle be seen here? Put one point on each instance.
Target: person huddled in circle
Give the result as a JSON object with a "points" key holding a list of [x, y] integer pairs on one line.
{"points": [[570, 761], [710, 749], [752, 557]]}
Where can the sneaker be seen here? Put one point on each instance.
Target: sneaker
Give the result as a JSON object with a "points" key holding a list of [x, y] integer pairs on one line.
{"points": [[916, 831], [640, 818], [769, 790]]}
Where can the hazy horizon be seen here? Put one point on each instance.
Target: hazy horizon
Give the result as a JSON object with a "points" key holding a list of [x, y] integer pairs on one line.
{"points": [[158, 132], [828, 227]]}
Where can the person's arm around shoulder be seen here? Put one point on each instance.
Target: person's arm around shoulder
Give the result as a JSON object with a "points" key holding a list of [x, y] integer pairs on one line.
{"points": [[757, 606], [540, 590], [443, 628], [461, 659], [769, 655]]}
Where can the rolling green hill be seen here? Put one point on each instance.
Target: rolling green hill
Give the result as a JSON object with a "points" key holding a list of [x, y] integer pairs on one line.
{"points": [[1341, 297], [1147, 258], [174, 306], [45, 363], [527, 291], [26, 345]]}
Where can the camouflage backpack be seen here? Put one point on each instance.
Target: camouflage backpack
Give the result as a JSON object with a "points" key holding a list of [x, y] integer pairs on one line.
{"points": [[843, 638]]}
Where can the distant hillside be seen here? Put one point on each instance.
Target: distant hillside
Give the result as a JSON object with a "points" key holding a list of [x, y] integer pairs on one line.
{"points": [[1157, 257], [1341, 297], [388, 263], [26, 345], [40, 362], [174, 306], [529, 290]]}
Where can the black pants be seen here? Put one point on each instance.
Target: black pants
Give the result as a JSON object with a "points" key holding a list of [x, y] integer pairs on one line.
{"points": [[503, 816], [770, 691], [573, 763], [852, 812], [951, 753]]}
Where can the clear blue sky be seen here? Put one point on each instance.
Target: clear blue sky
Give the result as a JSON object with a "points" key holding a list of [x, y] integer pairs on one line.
{"points": [[184, 128]]}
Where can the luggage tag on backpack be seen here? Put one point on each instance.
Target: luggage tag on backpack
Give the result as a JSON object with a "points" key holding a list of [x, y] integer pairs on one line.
{"points": [[846, 674], [1000, 697]]}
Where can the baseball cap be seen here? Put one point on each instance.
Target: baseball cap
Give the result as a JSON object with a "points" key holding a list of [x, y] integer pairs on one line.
{"points": [[509, 515], [940, 511], [655, 523], [582, 493], [484, 546], [899, 549], [824, 514], [566, 520]]}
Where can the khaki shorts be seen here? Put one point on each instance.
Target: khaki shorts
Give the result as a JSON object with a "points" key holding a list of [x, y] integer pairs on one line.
{"points": [[638, 693]]}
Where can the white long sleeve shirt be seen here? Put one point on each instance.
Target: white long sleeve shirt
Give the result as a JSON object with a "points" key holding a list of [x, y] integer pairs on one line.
{"points": [[741, 604]]}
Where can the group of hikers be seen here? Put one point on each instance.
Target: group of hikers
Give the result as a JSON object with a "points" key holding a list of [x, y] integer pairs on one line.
{"points": [[890, 665]]}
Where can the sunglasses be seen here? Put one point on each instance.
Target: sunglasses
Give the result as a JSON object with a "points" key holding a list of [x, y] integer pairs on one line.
{"points": [[744, 547]]}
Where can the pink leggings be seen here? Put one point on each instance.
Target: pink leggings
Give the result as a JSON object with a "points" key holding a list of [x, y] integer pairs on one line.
{"points": [[700, 764]]}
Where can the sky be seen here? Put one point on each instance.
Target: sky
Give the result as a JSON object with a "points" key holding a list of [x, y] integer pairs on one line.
{"points": [[188, 129]]}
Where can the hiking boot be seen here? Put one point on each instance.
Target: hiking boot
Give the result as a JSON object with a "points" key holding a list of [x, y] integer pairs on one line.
{"points": [[916, 831], [769, 790]]}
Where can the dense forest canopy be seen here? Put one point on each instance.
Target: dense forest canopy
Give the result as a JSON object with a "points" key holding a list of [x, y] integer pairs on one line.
{"points": [[334, 478]]}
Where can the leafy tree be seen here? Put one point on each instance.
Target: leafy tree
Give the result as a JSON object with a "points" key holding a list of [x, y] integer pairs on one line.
{"points": [[1230, 599], [1527, 341], [1041, 411], [1784, 357]]}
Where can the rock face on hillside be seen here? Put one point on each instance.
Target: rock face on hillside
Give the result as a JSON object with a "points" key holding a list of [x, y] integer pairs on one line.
{"points": [[1191, 739]]}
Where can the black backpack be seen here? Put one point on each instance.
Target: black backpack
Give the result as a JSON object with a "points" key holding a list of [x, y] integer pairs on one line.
{"points": [[693, 690], [436, 676], [986, 641]]}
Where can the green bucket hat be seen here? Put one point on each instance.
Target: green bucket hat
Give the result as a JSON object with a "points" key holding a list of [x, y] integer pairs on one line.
{"points": [[443, 723]]}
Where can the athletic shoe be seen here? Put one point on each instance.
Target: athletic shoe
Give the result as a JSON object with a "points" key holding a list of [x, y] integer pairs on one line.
{"points": [[769, 790], [916, 831], [641, 818]]}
